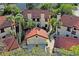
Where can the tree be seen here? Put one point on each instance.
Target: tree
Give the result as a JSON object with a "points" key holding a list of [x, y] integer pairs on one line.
{"points": [[18, 20], [46, 6], [60, 8], [17, 52], [63, 9], [75, 50], [11, 9], [65, 52], [29, 6], [54, 23], [37, 51], [13, 21], [30, 24], [66, 8], [33, 5]]}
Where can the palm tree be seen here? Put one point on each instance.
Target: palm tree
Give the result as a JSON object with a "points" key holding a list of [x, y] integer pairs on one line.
{"points": [[20, 21], [30, 24], [54, 23], [12, 19]]}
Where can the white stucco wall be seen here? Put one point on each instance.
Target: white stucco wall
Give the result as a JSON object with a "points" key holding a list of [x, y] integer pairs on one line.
{"points": [[5, 31], [31, 42], [3, 34], [36, 40], [42, 20], [29, 16], [63, 31]]}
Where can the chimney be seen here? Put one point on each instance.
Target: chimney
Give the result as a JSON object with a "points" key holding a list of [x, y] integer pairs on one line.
{"points": [[58, 16]]}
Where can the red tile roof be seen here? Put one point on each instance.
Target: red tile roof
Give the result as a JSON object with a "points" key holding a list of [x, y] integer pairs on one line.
{"points": [[66, 42], [70, 21], [4, 22], [36, 31], [36, 13], [10, 43]]}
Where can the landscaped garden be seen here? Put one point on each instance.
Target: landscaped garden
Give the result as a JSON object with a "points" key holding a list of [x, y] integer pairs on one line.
{"points": [[24, 25]]}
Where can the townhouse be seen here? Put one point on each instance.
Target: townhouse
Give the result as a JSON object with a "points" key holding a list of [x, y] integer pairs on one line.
{"points": [[66, 42], [34, 38], [5, 26], [69, 26], [41, 17], [8, 43]]}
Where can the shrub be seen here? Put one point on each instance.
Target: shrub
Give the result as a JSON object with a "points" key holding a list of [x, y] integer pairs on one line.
{"points": [[18, 52], [75, 50], [64, 52], [38, 51]]}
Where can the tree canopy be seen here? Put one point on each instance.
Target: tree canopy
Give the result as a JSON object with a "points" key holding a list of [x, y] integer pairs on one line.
{"points": [[30, 24], [66, 8], [58, 8], [11, 9], [46, 6], [54, 23], [29, 6]]}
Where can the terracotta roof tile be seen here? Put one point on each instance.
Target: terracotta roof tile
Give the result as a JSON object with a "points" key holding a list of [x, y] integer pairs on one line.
{"points": [[10, 43], [36, 31], [66, 42], [70, 21], [36, 13], [4, 22]]}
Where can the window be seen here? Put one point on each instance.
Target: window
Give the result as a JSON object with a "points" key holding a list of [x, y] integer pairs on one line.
{"points": [[3, 37], [75, 36], [33, 19], [38, 20], [67, 35], [2, 30], [38, 25], [73, 32], [74, 28], [36, 36], [68, 29], [17, 29], [45, 25]]}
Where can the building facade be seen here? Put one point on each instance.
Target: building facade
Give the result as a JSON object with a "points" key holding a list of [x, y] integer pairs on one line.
{"points": [[36, 37], [5, 26], [69, 26], [41, 17]]}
